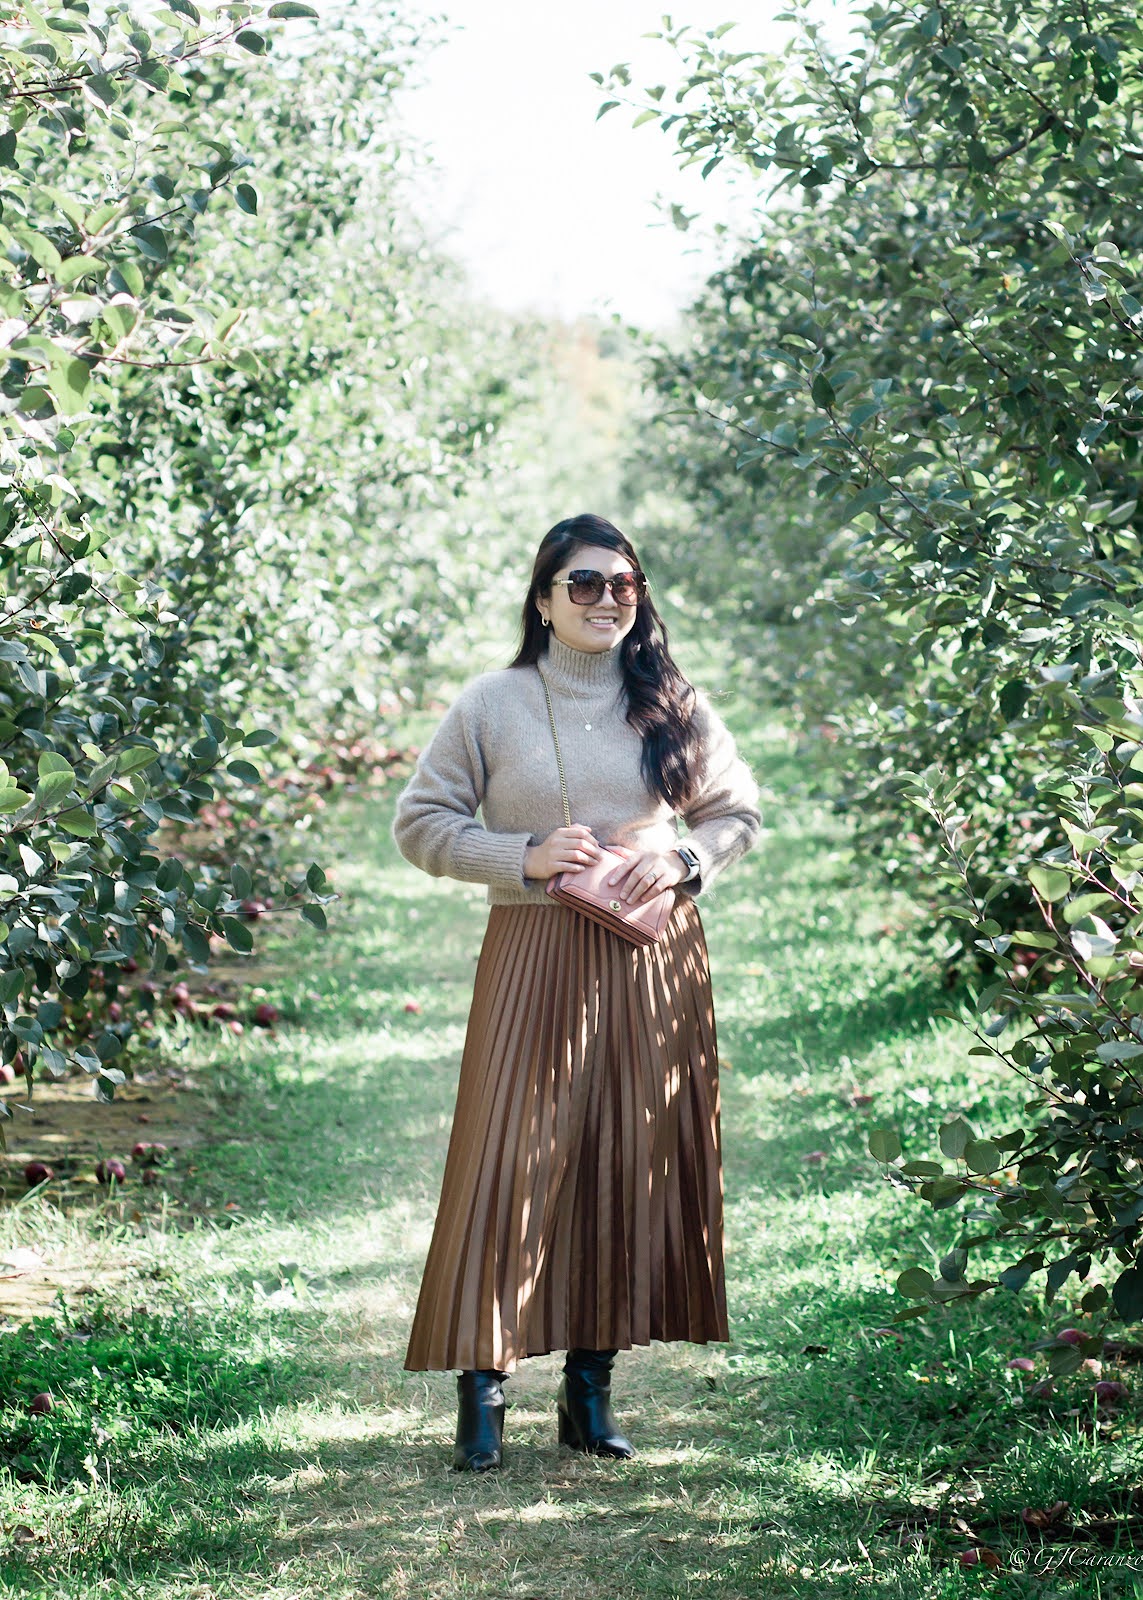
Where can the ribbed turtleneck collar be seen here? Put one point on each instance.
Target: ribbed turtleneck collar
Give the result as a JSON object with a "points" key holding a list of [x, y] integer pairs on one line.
{"points": [[586, 671]]}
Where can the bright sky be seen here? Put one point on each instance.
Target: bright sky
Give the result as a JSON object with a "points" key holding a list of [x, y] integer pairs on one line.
{"points": [[549, 209]]}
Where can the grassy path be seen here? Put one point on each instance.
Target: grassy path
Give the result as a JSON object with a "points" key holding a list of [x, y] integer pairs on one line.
{"points": [[816, 1455]]}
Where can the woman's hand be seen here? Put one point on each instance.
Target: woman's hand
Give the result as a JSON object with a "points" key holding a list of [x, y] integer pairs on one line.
{"points": [[565, 850], [646, 873]]}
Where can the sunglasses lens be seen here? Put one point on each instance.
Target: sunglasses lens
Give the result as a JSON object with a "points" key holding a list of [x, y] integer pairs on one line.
{"points": [[627, 588], [585, 588]]}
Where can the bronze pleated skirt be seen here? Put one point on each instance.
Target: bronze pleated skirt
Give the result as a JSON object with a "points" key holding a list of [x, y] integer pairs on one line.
{"points": [[582, 1197]]}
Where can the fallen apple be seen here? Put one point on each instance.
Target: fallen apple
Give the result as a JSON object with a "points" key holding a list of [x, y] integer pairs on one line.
{"points": [[1108, 1392], [413, 1006], [1022, 1364], [111, 1171], [37, 1172], [265, 1015], [40, 1404], [1070, 1336]]}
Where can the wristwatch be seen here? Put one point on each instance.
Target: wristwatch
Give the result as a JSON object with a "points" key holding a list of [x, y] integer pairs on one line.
{"points": [[690, 860]]}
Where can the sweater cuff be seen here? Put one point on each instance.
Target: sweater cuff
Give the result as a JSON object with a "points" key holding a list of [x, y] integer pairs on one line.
{"points": [[493, 858]]}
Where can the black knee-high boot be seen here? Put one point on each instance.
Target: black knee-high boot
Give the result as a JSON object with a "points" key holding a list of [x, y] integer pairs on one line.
{"points": [[584, 1404], [480, 1421]]}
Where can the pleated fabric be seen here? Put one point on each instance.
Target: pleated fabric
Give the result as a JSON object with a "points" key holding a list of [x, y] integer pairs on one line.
{"points": [[581, 1204]]}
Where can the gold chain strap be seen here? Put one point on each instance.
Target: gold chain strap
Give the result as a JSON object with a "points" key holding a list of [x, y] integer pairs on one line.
{"points": [[559, 758]]}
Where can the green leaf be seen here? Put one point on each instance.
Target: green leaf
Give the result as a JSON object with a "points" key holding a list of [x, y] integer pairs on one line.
{"points": [[76, 267], [195, 943], [822, 391], [53, 786], [884, 1145], [315, 916], [12, 798], [315, 878], [290, 8], [915, 1283], [151, 239], [981, 1155], [80, 822], [247, 199], [244, 771], [238, 935], [170, 875], [1077, 909], [102, 87], [954, 1137], [69, 382], [135, 758], [1050, 884], [1127, 1295], [241, 882]]}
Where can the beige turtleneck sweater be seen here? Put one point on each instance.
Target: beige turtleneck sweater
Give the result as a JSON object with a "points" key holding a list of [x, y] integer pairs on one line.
{"points": [[493, 752]]}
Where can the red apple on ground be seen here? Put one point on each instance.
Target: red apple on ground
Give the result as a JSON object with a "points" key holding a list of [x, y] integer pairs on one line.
{"points": [[1108, 1392], [224, 1011], [111, 1170], [40, 1404], [151, 1175], [37, 1172], [265, 1015], [235, 1027], [414, 1006], [1070, 1336], [1022, 1364]]}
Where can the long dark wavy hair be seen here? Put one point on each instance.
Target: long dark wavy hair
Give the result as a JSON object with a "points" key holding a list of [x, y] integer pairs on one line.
{"points": [[660, 701]]}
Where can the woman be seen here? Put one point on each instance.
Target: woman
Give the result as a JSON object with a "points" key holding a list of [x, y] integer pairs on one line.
{"points": [[581, 1207]]}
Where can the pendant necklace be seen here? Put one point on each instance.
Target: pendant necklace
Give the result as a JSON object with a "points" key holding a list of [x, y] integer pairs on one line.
{"points": [[579, 708]]}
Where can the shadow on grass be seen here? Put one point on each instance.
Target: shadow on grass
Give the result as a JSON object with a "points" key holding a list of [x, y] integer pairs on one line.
{"points": [[792, 1042]]}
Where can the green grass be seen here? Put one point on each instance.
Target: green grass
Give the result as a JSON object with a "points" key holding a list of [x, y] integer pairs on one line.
{"points": [[235, 1419]]}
